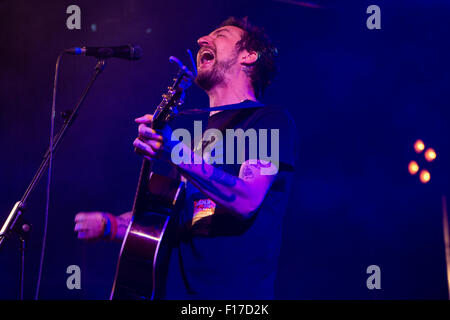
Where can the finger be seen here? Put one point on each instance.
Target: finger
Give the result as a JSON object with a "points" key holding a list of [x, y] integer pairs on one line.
{"points": [[144, 119], [148, 133], [143, 148], [80, 227], [80, 216], [155, 145]]}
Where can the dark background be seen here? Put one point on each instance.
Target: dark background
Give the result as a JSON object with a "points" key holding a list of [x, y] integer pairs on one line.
{"points": [[360, 99]]}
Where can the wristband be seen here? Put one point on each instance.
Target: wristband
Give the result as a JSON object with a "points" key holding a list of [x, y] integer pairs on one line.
{"points": [[107, 232], [111, 226]]}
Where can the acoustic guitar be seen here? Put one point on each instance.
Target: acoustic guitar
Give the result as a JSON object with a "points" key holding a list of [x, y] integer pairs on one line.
{"points": [[144, 255]]}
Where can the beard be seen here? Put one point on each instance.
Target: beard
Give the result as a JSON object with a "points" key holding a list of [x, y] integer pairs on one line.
{"points": [[209, 79]]}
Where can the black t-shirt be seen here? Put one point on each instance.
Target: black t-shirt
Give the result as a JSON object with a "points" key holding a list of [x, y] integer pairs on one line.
{"points": [[219, 256]]}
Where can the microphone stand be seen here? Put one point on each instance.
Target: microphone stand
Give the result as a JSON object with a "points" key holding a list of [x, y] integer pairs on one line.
{"points": [[15, 222]]}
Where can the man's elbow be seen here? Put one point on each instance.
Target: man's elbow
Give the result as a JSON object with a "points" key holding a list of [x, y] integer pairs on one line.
{"points": [[247, 209]]}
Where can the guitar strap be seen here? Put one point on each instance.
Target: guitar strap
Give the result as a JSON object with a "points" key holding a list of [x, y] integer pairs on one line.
{"points": [[236, 106]]}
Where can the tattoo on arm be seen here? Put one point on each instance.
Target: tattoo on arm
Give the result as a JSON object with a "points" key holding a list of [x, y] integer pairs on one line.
{"points": [[122, 224], [208, 185], [248, 173], [250, 170], [259, 164], [223, 177], [210, 182]]}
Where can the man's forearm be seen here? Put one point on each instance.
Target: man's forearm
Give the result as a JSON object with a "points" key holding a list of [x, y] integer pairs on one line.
{"points": [[225, 189], [242, 195]]}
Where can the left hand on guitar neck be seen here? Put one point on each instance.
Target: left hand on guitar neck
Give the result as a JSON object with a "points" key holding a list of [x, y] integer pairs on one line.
{"points": [[150, 143]]}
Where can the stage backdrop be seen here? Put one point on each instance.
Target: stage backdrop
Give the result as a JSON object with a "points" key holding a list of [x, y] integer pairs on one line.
{"points": [[360, 99]]}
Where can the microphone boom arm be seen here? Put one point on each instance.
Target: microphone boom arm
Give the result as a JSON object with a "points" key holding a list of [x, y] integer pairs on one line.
{"points": [[10, 224]]}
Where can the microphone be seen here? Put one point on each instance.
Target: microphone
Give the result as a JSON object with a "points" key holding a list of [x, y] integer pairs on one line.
{"points": [[129, 52]]}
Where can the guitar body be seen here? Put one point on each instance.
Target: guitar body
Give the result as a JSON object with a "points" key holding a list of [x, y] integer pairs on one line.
{"points": [[140, 259], [144, 255]]}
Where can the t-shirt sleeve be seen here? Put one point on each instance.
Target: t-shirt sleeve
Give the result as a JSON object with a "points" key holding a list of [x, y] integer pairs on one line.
{"points": [[281, 131]]}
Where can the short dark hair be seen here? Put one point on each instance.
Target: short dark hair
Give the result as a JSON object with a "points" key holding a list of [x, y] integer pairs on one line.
{"points": [[265, 68]]}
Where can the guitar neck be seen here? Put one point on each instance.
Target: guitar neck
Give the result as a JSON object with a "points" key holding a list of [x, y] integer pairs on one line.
{"points": [[146, 168]]}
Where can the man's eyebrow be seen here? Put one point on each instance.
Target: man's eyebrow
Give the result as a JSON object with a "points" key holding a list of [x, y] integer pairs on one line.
{"points": [[220, 30]]}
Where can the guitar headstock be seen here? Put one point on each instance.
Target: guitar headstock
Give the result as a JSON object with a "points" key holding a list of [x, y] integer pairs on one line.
{"points": [[174, 97]]}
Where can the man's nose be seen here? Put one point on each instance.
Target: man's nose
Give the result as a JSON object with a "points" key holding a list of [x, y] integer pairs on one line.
{"points": [[204, 41]]}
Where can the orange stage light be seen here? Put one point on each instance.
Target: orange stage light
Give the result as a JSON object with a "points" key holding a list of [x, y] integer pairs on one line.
{"points": [[424, 176], [413, 167], [430, 154], [419, 146]]}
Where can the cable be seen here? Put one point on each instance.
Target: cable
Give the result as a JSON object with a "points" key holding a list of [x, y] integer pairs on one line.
{"points": [[52, 126], [192, 62], [22, 267]]}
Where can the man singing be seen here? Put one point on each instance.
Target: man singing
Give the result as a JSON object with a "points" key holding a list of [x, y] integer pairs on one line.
{"points": [[233, 211]]}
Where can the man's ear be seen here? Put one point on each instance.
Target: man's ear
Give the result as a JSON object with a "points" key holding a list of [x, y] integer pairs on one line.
{"points": [[249, 58]]}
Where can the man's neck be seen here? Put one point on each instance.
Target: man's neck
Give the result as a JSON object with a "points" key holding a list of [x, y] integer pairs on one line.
{"points": [[229, 94]]}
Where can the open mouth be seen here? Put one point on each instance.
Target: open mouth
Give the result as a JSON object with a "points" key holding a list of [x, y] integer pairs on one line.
{"points": [[206, 56]]}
